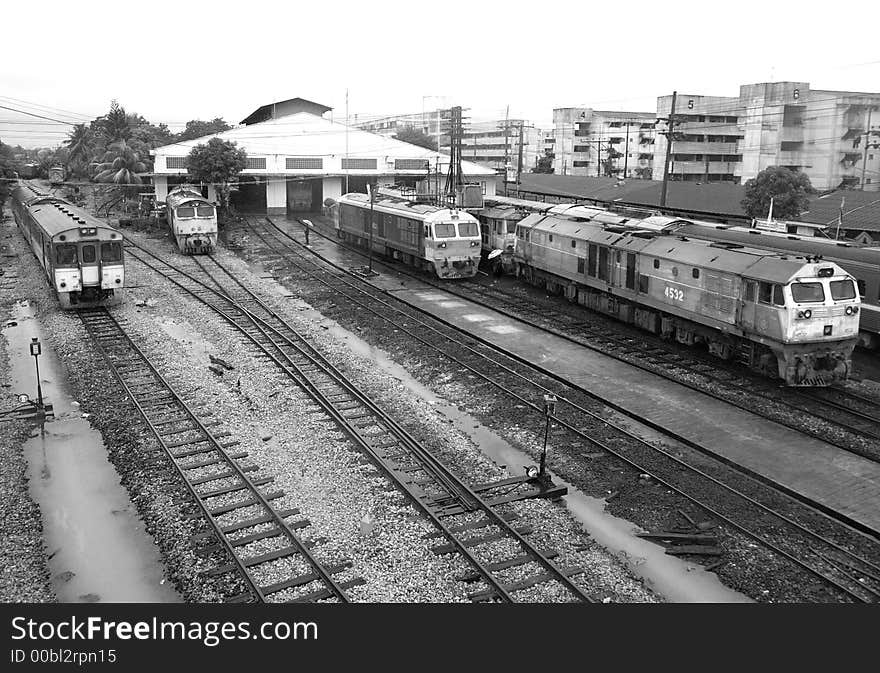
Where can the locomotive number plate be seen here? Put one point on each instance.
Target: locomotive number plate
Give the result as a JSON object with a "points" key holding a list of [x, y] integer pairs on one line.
{"points": [[674, 293]]}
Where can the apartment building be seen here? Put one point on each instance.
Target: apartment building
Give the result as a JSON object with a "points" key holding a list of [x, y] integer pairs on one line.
{"points": [[825, 134], [601, 142], [492, 144]]}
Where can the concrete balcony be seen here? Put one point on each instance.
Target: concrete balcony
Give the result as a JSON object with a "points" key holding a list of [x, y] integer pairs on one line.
{"points": [[795, 158], [686, 147], [699, 167]]}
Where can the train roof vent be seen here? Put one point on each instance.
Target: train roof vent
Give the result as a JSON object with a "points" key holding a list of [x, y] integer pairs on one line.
{"points": [[843, 245], [726, 245]]}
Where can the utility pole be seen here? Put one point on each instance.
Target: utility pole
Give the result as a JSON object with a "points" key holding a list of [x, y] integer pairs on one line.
{"points": [[599, 157], [626, 150], [372, 224], [669, 134], [520, 159], [867, 145], [506, 146], [346, 141]]}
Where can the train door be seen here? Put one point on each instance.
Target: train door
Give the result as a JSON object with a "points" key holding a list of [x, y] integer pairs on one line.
{"points": [[631, 271], [89, 265], [749, 297]]}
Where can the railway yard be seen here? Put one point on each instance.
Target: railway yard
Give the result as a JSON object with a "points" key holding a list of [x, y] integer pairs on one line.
{"points": [[289, 425]]}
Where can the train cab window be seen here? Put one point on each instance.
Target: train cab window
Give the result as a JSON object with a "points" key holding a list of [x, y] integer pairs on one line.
{"points": [[89, 254], [695, 273], [65, 255], [862, 289], [778, 297], [511, 227], [804, 293], [111, 252], [573, 243], [519, 232], [765, 292], [467, 228], [656, 263], [427, 233], [186, 212], [444, 230], [551, 238], [842, 289], [205, 211], [749, 294], [643, 283]]}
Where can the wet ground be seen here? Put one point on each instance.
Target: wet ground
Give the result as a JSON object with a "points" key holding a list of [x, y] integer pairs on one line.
{"points": [[669, 576], [97, 547]]}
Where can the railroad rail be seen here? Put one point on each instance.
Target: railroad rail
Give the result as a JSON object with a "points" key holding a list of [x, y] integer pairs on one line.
{"points": [[854, 420], [429, 484], [237, 508], [662, 465]]}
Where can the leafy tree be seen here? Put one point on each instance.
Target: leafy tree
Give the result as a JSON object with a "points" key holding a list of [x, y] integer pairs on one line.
{"points": [[414, 136], [6, 172], [217, 163], [644, 173], [113, 126], [545, 163], [120, 165], [608, 166], [790, 191], [196, 128]]}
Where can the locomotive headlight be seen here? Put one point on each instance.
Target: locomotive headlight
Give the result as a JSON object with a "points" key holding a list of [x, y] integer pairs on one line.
{"points": [[443, 245], [118, 280], [474, 244], [849, 310], [808, 314], [855, 309], [63, 284]]}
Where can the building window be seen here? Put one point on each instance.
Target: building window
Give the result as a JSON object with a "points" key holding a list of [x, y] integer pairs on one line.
{"points": [[175, 162], [359, 164], [256, 163], [410, 164], [580, 164], [695, 273], [656, 263], [304, 163]]}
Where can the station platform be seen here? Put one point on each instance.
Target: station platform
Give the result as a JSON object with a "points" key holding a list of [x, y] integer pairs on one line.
{"points": [[821, 472]]}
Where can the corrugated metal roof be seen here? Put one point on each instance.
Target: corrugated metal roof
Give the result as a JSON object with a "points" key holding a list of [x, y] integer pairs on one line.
{"points": [[307, 135]]}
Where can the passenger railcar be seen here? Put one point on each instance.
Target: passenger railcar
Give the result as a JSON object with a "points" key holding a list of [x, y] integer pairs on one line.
{"points": [[81, 256], [438, 240], [193, 220], [781, 315]]}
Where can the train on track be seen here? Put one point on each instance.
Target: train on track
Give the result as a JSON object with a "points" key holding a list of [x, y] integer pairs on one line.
{"points": [[862, 262], [56, 175], [444, 242], [193, 220], [792, 317], [81, 256]]}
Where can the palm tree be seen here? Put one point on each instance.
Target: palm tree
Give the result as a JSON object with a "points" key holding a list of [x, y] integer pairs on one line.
{"points": [[120, 165], [80, 144]]}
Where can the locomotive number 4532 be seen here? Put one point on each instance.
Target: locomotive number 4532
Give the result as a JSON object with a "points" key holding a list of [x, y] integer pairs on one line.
{"points": [[674, 293]]}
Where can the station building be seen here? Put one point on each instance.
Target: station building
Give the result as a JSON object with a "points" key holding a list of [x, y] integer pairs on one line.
{"points": [[297, 158]]}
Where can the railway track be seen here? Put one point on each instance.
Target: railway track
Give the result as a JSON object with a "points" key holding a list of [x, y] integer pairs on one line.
{"points": [[468, 516], [251, 537], [834, 415], [803, 544]]}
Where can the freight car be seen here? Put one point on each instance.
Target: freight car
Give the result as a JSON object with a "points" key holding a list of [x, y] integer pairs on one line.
{"points": [[81, 256], [441, 241], [784, 316], [193, 220]]}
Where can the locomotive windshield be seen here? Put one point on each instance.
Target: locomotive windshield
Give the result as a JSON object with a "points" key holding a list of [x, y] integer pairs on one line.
{"points": [[186, 212], [804, 293], [65, 255], [205, 211], [842, 289], [111, 252], [444, 230], [467, 229]]}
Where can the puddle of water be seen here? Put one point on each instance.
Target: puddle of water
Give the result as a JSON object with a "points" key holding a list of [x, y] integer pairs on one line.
{"points": [[185, 334], [98, 548], [669, 576]]}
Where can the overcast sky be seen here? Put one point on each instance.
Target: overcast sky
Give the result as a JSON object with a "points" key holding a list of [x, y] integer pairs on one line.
{"points": [[176, 61]]}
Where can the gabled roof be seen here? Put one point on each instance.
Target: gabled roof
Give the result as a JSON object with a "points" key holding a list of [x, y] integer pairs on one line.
{"points": [[283, 108], [308, 135]]}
